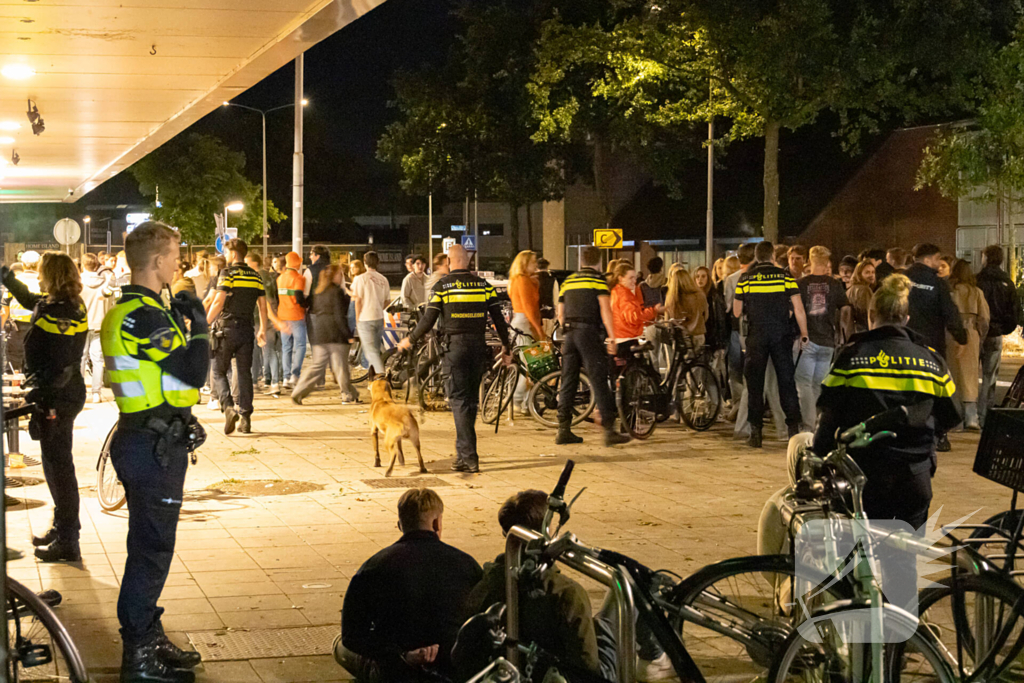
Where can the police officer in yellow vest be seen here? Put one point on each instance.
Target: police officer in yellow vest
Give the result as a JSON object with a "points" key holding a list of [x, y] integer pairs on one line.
{"points": [[156, 365], [18, 318]]}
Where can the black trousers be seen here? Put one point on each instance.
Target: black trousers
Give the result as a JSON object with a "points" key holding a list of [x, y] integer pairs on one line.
{"points": [[584, 346], [238, 342], [776, 345], [16, 344], [465, 363], [55, 445], [154, 503]]}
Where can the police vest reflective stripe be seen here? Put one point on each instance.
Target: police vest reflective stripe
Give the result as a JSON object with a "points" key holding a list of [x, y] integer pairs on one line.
{"points": [[19, 312], [142, 384]]}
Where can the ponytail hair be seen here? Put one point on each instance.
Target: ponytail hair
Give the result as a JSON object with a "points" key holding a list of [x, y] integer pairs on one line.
{"points": [[891, 303]]}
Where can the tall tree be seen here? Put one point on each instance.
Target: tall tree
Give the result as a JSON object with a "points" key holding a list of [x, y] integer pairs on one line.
{"points": [[765, 66], [468, 126], [197, 175]]}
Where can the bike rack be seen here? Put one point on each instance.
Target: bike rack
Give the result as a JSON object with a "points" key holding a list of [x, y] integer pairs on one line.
{"points": [[613, 577]]}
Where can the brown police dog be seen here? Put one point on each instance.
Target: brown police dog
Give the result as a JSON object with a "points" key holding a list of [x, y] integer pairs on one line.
{"points": [[393, 421]]}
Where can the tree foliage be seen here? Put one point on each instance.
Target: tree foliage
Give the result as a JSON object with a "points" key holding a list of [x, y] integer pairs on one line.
{"points": [[467, 126], [197, 175], [666, 64]]}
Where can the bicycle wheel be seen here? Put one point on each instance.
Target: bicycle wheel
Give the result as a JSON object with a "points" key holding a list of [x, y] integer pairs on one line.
{"points": [[492, 391], [39, 646], [543, 399], [638, 395], [109, 490], [977, 622], [433, 394], [356, 371], [744, 613], [831, 647], [698, 397], [1000, 527]]}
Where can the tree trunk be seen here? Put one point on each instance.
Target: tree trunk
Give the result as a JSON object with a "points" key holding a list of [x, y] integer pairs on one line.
{"points": [[771, 182], [529, 227], [513, 227]]}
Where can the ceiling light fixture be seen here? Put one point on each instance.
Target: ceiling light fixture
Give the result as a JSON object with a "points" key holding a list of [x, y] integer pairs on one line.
{"points": [[17, 72], [6, 141], [38, 125], [9, 125]]}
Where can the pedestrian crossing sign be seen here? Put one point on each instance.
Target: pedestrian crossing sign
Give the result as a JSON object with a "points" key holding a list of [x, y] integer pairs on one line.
{"points": [[469, 242], [608, 238]]}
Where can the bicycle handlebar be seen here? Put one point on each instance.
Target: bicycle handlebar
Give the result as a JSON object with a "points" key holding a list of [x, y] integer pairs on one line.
{"points": [[563, 480], [870, 428]]}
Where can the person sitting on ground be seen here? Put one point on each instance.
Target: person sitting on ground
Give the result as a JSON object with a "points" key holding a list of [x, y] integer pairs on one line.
{"points": [[556, 616], [403, 607]]}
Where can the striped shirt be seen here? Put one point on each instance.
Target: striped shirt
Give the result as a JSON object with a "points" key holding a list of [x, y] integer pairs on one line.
{"points": [[766, 291], [579, 295], [244, 287]]}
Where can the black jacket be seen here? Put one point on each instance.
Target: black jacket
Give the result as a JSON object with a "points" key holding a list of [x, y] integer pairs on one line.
{"points": [[1002, 298], [330, 317], [409, 595], [883, 368], [932, 311]]}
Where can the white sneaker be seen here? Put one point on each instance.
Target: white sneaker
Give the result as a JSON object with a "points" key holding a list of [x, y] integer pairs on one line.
{"points": [[659, 670], [214, 404], [273, 390], [96, 398], [206, 390]]}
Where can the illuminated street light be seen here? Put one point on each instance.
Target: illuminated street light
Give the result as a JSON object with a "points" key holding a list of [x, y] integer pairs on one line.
{"points": [[235, 206]]}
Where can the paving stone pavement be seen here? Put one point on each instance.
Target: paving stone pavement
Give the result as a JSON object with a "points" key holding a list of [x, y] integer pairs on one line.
{"points": [[679, 500]]}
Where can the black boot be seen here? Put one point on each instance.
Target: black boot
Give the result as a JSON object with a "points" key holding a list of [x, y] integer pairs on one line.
{"points": [[230, 419], [942, 444], [565, 435], [613, 437], [61, 550], [754, 441], [46, 539], [173, 656], [142, 664], [244, 425]]}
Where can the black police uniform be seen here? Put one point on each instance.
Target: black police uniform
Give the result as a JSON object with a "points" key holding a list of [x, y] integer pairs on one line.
{"points": [[463, 301], [54, 342], [155, 374], [880, 369], [235, 337], [766, 293], [584, 345]]}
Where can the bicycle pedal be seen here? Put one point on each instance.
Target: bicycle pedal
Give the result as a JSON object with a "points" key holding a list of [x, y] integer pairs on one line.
{"points": [[34, 655]]}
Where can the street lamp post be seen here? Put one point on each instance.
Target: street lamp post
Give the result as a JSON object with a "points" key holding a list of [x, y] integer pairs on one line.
{"points": [[263, 113]]}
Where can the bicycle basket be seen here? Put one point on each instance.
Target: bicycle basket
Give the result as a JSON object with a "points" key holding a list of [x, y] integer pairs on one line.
{"points": [[1000, 457], [540, 360]]}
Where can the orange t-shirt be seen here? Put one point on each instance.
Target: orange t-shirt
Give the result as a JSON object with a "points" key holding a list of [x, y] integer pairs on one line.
{"points": [[629, 313], [525, 294], [290, 288]]}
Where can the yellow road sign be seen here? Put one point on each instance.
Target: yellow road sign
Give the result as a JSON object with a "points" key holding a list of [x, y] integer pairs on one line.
{"points": [[608, 238]]}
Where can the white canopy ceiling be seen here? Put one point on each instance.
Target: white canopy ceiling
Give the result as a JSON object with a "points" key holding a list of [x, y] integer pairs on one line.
{"points": [[115, 79]]}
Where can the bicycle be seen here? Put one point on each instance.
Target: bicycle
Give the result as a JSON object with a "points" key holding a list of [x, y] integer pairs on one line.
{"points": [[109, 489], [39, 647], [644, 398]]}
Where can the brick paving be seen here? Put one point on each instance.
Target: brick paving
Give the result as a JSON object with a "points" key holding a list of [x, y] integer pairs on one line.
{"points": [[679, 500]]}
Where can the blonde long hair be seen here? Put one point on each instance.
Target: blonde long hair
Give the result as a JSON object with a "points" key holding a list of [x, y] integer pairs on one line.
{"points": [[680, 283], [890, 305], [520, 264]]}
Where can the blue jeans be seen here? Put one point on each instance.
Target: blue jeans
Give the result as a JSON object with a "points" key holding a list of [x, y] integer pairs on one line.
{"points": [[94, 354], [293, 349], [272, 357], [991, 356], [370, 332], [814, 365]]}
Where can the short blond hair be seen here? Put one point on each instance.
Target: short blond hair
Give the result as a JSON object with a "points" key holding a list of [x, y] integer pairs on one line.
{"points": [[418, 506], [820, 256], [146, 241]]}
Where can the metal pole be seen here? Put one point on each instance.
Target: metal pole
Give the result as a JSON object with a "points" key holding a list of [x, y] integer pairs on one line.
{"points": [[476, 232], [430, 227], [298, 161], [264, 115], [709, 249], [3, 541]]}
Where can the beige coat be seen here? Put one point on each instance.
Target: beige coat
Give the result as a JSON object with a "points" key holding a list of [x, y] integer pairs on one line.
{"points": [[964, 359]]}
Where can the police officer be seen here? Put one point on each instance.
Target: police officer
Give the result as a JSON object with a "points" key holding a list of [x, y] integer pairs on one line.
{"points": [[54, 339], [18, 318], [464, 300], [155, 372], [239, 293], [885, 367], [768, 295], [585, 312]]}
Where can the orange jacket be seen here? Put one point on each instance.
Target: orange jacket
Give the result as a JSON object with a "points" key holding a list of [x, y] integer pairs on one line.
{"points": [[290, 297], [525, 294], [629, 313]]}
